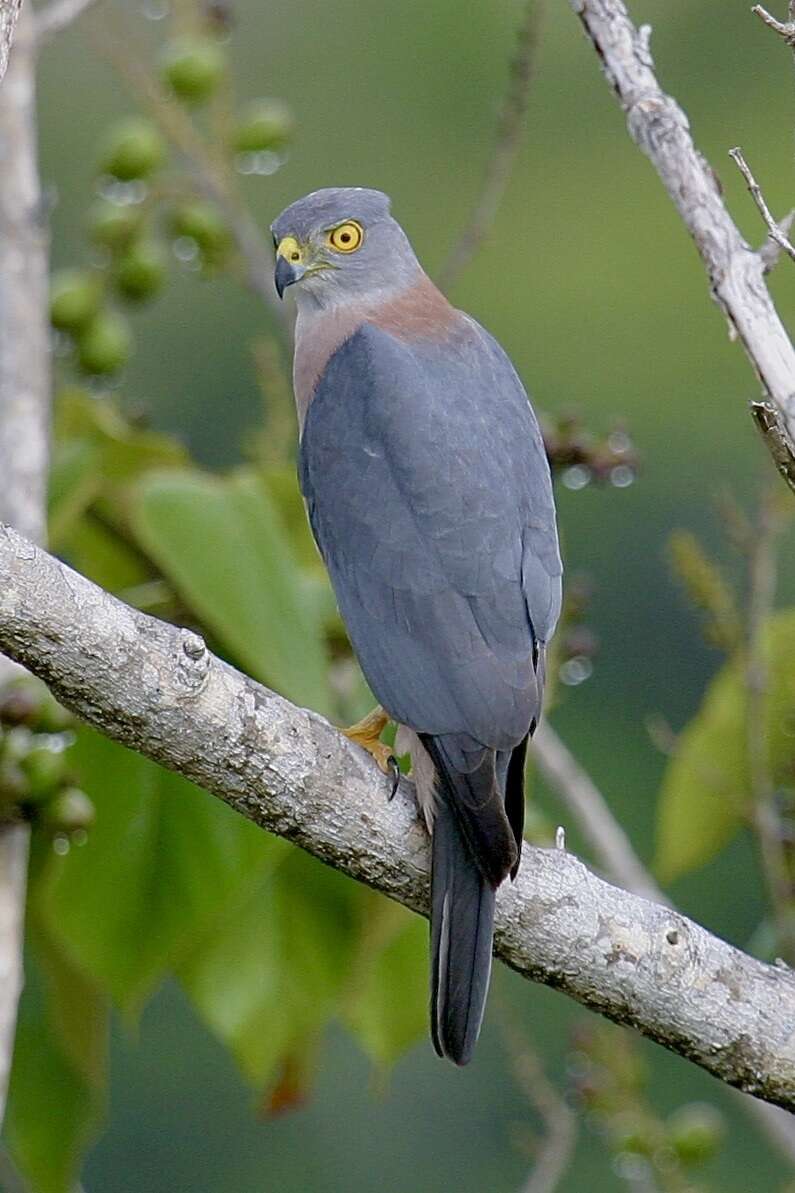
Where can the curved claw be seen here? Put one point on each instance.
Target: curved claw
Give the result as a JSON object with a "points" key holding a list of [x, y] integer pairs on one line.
{"points": [[394, 770]]}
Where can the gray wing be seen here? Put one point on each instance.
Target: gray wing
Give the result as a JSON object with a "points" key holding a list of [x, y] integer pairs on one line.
{"points": [[430, 499]]}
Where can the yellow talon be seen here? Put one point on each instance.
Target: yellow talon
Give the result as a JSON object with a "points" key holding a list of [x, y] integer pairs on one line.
{"points": [[367, 733]]}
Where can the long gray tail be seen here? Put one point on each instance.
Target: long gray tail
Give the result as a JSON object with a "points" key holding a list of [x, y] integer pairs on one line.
{"points": [[462, 925]]}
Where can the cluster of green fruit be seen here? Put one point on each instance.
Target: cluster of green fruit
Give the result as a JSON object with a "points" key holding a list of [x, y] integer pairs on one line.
{"points": [[35, 778], [192, 68], [133, 259]]}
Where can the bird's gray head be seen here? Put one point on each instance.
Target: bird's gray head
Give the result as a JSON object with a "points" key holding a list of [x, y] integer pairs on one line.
{"points": [[341, 244]]}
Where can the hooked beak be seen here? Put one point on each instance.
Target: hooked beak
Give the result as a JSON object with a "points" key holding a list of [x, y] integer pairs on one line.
{"points": [[290, 265]]}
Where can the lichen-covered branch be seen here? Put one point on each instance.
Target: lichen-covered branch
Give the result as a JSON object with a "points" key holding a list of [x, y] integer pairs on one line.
{"points": [[9, 13], [157, 689], [659, 127], [24, 405]]}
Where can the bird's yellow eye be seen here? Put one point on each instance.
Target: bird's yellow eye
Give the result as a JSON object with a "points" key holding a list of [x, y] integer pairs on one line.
{"points": [[347, 237]]}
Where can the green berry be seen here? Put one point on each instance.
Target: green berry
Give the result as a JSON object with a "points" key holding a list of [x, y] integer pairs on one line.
{"points": [[113, 226], [45, 770], [134, 149], [193, 67], [16, 743], [53, 717], [75, 296], [695, 1132], [141, 272], [104, 347], [263, 124], [203, 223], [69, 812], [633, 1133]]}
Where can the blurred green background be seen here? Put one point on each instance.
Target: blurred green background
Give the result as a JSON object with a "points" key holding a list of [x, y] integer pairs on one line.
{"points": [[589, 280]]}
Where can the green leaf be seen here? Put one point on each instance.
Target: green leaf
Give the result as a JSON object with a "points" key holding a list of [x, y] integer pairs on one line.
{"points": [[97, 551], [75, 481], [127, 450], [57, 1092], [273, 972], [158, 869], [704, 798], [389, 1008], [252, 597]]}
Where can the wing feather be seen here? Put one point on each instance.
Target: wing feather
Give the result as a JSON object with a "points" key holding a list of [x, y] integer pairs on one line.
{"points": [[429, 496]]}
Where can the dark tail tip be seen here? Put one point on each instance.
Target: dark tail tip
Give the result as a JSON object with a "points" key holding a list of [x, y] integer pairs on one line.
{"points": [[462, 927]]}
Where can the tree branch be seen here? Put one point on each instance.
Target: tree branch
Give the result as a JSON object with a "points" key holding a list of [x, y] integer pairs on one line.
{"points": [[9, 12], [784, 29], [157, 689], [24, 411], [660, 129], [618, 861]]}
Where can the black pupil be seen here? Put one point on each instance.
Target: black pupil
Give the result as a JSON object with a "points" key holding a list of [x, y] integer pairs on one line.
{"points": [[345, 237]]}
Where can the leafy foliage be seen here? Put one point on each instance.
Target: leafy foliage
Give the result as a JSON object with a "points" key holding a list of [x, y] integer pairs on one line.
{"points": [[705, 792]]}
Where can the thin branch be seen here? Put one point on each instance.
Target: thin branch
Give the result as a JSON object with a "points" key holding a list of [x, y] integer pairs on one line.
{"points": [[785, 30], [158, 689], [57, 16], [773, 228], [560, 1123], [770, 251], [9, 13], [24, 432], [508, 136], [660, 129]]}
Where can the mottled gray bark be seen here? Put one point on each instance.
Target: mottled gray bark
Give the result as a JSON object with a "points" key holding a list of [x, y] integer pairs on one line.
{"points": [[24, 412], [9, 13], [157, 689]]}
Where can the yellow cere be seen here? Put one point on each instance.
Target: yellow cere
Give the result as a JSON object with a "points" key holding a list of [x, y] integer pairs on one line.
{"points": [[290, 249], [347, 237]]}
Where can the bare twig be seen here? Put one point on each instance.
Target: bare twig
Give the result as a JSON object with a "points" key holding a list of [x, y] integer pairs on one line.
{"points": [[24, 409], [158, 689], [9, 12], [660, 129], [785, 30], [560, 1123], [770, 251], [611, 847], [57, 16], [507, 140], [773, 228]]}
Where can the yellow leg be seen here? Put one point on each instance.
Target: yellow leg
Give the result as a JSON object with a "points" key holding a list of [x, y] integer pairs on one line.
{"points": [[367, 733]]}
